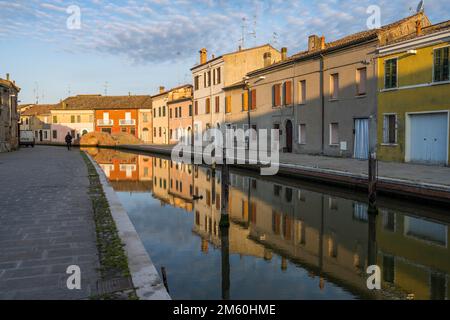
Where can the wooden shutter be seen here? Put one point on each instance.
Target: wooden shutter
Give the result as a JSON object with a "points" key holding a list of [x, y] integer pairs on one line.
{"points": [[245, 101], [253, 99], [208, 106], [217, 104], [276, 95], [288, 92], [228, 104], [196, 108]]}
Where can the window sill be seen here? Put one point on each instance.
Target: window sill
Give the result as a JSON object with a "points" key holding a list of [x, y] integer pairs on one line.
{"points": [[389, 89], [389, 144], [333, 100], [361, 96]]}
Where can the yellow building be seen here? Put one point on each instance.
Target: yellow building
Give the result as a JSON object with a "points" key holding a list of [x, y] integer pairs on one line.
{"points": [[414, 97]]}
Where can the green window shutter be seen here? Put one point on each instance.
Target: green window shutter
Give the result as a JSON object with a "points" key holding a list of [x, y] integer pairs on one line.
{"points": [[387, 74], [437, 65], [445, 65]]}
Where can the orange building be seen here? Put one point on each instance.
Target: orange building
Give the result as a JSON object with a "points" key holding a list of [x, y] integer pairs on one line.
{"points": [[120, 114]]}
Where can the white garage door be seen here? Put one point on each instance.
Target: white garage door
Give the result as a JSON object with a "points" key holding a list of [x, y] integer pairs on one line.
{"points": [[429, 138]]}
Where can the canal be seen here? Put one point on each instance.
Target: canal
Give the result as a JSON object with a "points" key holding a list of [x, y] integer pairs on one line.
{"points": [[287, 239]]}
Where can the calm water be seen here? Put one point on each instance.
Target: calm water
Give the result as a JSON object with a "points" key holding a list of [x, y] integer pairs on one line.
{"points": [[286, 240]]}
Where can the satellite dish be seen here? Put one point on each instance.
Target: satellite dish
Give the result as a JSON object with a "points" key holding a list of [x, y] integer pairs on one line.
{"points": [[421, 6]]}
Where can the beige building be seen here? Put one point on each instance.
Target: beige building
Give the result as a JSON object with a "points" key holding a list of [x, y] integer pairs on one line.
{"points": [[321, 100], [211, 76], [145, 125], [160, 120], [9, 117], [37, 118], [180, 114]]}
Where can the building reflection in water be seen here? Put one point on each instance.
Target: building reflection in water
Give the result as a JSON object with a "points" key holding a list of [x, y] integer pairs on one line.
{"points": [[331, 236]]}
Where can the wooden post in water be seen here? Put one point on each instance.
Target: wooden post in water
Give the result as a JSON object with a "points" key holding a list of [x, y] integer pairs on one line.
{"points": [[372, 189], [224, 226]]}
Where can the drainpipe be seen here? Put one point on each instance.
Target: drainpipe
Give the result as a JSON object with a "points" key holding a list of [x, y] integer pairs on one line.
{"points": [[322, 98]]}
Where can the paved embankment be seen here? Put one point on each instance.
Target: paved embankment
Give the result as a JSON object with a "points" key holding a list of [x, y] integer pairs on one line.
{"points": [[399, 179], [46, 224]]}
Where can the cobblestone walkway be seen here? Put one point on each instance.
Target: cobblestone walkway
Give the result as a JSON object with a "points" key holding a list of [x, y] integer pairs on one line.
{"points": [[46, 224]]}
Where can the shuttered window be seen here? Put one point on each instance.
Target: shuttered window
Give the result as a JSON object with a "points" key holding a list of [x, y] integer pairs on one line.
{"points": [[217, 104], [276, 95], [334, 86], [390, 74], [390, 129], [228, 104], [253, 99], [245, 101], [361, 77], [441, 64], [208, 106], [196, 108], [287, 93], [302, 92]]}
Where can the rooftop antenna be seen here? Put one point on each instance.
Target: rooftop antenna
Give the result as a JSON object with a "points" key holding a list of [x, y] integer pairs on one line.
{"points": [[106, 88], [421, 6], [36, 92], [274, 39], [253, 33], [69, 92], [244, 27]]}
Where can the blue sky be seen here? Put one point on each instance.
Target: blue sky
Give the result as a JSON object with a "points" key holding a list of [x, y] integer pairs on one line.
{"points": [[136, 46]]}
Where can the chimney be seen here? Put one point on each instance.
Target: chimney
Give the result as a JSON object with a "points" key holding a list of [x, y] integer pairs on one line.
{"points": [[283, 53], [322, 43], [419, 26], [7, 76], [267, 59], [313, 43], [203, 56], [162, 89]]}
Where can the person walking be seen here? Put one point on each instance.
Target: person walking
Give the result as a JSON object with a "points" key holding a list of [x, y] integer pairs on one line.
{"points": [[69, 140]]}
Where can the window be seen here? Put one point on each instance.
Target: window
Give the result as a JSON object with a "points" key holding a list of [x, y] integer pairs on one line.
{"points": [[55, 134], [159, 112], [277, 190], [253, 99], [190, 110], [302, 92], [302, 134], [276, 95], [334, 133], [160, 132], [334, 86], [228, 104], [196, 107], [209, 78], [133, 131], [245, 101], [390, 74], [208, 106], [196, 82], [441, 65], [72, 133], [55, 119], [179, 112], [217, 104], [164, 111], [170, 113], [78, 119], [106, 130], [124, 130], [154, 132], [287, 93], [361, 79], [91, 118], [72, 119], [390, 129], [219, 80], [144, 117]]}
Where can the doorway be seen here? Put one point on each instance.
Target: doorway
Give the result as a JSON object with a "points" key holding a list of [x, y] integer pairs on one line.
{"points": [[289, 136]]}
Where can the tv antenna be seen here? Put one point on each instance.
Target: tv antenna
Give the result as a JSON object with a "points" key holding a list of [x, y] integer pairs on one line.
{"points": [[244, 28], [421, 6], [274, 39], [253, 33], [36, 92], [106, 88]]}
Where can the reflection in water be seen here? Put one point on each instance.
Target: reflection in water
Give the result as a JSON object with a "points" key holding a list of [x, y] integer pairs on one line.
{"points": [[283, 241]]}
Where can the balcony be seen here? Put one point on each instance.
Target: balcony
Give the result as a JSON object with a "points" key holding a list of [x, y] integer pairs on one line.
{"points": [[105, 122], [127, 122]]}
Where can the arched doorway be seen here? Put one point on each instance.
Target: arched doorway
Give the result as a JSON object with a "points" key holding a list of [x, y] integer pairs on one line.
{"points": [[145, 134], [189, 135], [289, 136]]}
